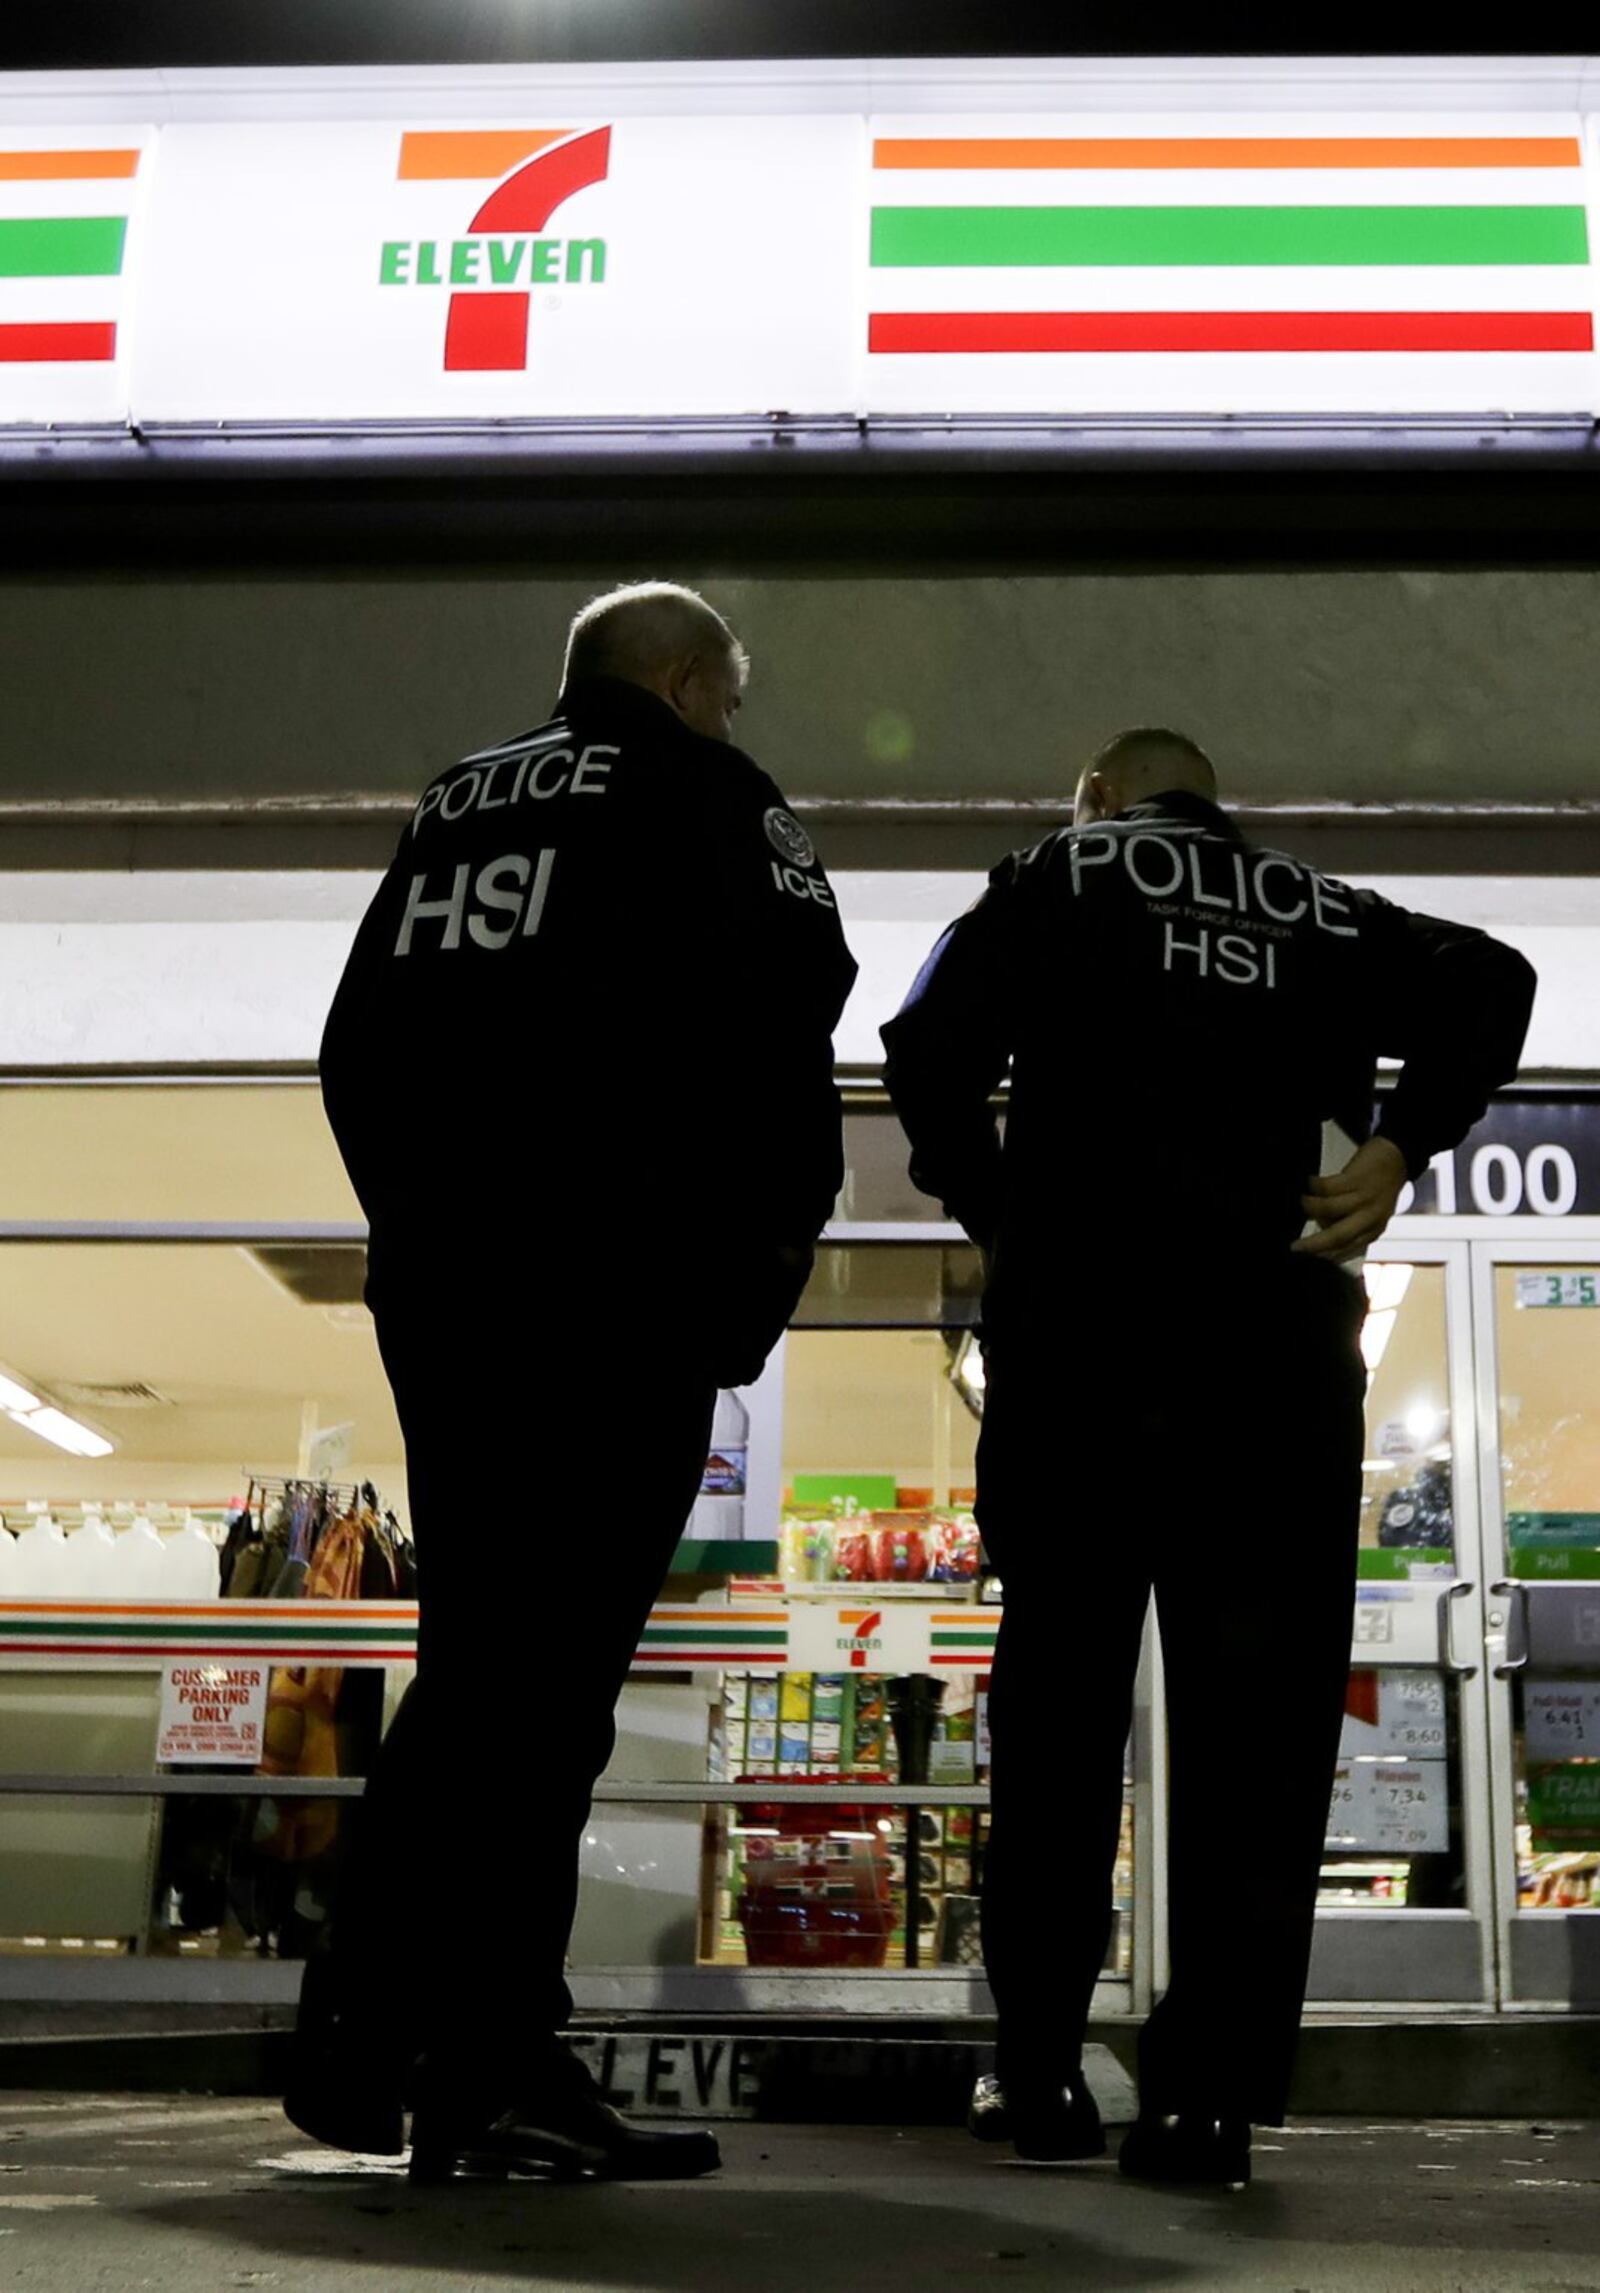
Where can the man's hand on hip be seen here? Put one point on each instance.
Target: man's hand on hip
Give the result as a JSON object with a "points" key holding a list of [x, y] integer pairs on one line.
{"points": [[1352, 1208]]}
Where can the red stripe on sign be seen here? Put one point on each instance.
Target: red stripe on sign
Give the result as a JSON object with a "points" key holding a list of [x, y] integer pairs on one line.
{"points": [[69, 342], [486, 334], [1028, 331]]}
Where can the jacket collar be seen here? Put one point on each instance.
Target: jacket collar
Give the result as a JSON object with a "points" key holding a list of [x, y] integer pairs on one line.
{"points": [[1192, 811], [615, 698]]}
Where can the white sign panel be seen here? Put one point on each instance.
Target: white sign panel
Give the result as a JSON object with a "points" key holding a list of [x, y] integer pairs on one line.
{"points": [[566, 266], [1399, 1710], [566, 261], [213, 1713], [861, 1635], [1396, 1807], [1171, 263], [72, 224], [1562, 1719]]}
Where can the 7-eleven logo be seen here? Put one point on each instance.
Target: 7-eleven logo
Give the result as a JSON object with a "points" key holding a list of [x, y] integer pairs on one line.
{"points": [[506, 249], [861, 1635]]}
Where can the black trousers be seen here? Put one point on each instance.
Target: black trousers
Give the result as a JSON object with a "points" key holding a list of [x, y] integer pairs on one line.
{"points": [[552, 1462], [1210, 1454]]}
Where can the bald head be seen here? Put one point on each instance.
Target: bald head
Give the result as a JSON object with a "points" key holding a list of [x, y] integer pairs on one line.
{"points": [[669, 640], [1144, 762]]}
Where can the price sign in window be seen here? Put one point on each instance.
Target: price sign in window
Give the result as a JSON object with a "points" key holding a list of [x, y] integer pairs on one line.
{"points": [[1580, 1288]]}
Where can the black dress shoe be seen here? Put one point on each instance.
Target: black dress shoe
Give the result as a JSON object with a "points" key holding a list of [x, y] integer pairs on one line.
{"points": [[1214, 2152], [557, 2128], [1047, 2123]]}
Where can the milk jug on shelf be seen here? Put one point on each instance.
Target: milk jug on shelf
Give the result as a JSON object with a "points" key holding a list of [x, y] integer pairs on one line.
{"points": [[719, 1508], [193, 1564], [140, 1566], [41, 1570], [90, 1560]]}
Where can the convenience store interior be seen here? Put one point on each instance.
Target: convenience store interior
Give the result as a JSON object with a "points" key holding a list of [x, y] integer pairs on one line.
{"points": [[210, 1358]]}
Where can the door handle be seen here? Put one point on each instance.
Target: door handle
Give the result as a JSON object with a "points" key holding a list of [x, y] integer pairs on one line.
{"points": [[1516, 1655], [1448, 1660]]}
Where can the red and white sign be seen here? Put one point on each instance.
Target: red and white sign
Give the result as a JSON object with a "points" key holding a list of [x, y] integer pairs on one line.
{"points": [[214, 1713]]}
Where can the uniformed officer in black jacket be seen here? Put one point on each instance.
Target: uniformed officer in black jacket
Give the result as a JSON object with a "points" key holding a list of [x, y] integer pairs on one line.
{"points": [[1175, 1390], [580, 1070]]}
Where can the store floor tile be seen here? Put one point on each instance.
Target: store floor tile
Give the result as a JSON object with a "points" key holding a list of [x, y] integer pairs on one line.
{"points": [[183, 2193]]}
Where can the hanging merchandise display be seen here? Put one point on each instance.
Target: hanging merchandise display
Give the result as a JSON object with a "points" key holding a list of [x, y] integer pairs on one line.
{"points": [[263, 1866]]}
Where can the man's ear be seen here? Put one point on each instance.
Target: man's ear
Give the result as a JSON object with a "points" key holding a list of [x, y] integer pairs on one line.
{"points": [[1097, 790], [680, 682]]}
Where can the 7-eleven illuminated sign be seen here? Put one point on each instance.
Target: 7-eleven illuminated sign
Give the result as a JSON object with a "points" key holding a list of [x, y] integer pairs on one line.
{"points": [[506, 249]]}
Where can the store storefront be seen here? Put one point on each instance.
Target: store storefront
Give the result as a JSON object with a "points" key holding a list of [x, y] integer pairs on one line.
{"points": [[377, 292], [830, 1621]]}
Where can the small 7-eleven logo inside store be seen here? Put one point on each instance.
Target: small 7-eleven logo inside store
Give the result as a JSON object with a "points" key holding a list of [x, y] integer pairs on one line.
{"points": [[861, 1635], [505, 251]]}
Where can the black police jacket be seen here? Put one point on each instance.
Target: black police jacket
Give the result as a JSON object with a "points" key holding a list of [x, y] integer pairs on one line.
{"points": [[589, 1014], [1181, 1011]]}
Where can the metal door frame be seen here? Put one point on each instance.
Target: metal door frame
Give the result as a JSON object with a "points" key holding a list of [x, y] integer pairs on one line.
{"points": [[1431, 1958], [1519, 1935]]}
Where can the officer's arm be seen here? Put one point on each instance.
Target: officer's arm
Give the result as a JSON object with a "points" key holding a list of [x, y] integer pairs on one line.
{"points": [[785, 972], [947, 1048], [1453, 1006]]}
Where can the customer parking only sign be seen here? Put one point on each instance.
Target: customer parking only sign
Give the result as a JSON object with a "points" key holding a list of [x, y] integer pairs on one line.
{"points": [[214, 1713]]}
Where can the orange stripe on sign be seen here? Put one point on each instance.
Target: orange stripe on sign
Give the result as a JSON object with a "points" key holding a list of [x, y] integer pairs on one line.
{"points": [[65, 166], [1227, 151], [470, 154]]}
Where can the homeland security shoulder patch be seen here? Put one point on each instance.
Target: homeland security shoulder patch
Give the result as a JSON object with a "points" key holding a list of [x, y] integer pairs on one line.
{"points": [[785, 835]]}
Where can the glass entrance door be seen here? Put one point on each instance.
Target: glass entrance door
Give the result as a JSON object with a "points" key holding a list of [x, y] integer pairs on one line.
{"points": [[1405, 1905], [1538, 1318]]}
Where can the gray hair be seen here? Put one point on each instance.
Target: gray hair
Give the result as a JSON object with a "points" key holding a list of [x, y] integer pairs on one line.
{"points": [[638, 631]]}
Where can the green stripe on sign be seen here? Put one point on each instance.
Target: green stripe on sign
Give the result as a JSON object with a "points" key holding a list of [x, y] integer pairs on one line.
{"points": [[62, 246], [923, 237]]}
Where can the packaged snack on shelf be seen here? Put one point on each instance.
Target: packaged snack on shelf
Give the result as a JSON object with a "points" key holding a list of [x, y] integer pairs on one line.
{"points": [[899, 1548], [805, 1545], [852, 1552], [954, 1549]]}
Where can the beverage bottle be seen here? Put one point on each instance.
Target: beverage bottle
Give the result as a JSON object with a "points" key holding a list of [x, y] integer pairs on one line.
{"points": [[193, 1564], [90, 1560], [41, 1570], [139, 1572], [719, 1508]]}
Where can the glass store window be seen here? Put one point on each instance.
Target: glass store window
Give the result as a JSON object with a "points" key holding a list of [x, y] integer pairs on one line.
{"points": [[1548, 1336], [880, 1430], [1395, 1827]]}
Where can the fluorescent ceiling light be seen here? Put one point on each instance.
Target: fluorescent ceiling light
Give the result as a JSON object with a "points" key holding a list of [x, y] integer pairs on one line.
{"points": [[1423, 1422], [15, 1398], [968, 1373], [1376, 1332], [56, 1426]]}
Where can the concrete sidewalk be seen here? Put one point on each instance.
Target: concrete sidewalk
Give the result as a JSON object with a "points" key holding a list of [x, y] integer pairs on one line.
{"points": [[105, 2193]]}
